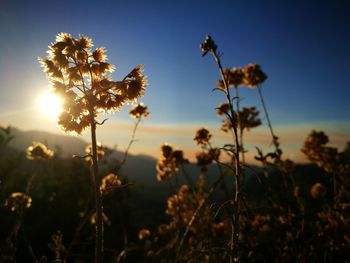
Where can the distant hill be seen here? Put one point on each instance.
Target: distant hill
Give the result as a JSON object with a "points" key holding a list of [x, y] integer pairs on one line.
{"points": [[65, 145], [140, 168]]}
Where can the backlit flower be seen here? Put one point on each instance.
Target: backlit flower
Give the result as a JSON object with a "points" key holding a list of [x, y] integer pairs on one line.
{"points": [[169, 162], [74, 68], [248, 118], [253, 75], [202, 136], [235, 77], [223, 109], [110, 183], [100, 54], [167, 150], [38, 151], [136, 83], [139, 110]]}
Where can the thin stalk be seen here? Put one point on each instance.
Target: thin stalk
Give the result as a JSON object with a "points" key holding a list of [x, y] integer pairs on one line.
{"points": [[241, 147], [132, 140], [267, 118], [236, 212], [98, 199]]}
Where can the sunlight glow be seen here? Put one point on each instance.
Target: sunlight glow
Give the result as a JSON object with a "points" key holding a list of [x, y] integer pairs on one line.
{"points": [[49, 105]]}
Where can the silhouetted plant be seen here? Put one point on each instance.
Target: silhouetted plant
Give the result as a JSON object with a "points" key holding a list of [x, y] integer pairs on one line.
{"points": [[230, 78], [80, 76]]}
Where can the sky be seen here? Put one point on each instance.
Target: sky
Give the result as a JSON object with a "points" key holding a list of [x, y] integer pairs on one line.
{"points": [[303, 46]]}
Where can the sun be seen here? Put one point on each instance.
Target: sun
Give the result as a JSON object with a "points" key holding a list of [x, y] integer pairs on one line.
{"points": [[49, 105]]}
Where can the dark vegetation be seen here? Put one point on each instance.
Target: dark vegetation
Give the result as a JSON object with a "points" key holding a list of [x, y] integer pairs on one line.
{"points": [[62, 190]]}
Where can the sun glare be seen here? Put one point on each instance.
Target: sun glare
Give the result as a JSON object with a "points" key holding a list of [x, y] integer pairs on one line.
{"points": [[49, 105]]}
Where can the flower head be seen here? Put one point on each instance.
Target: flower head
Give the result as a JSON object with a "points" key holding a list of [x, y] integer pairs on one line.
{"points": [[80, 76], [253, 75], [248, 118], [138, 111], [208, 46], [110, 183], [167, 150], [204, 158], [169, 162], [236, 77], [223, 109], [316, 150], [38, 151], [202, 136], [135, 84]]}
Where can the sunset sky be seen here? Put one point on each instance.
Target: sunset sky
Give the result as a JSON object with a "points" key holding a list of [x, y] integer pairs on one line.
{"points": [[303, 46]]}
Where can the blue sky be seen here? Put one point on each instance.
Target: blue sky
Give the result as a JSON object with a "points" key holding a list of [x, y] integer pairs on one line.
{"points": [[303, 46]]}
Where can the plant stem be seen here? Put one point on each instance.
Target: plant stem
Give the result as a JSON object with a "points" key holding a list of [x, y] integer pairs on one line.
{"points": [[98, 200], [268, 118], [241, 147], [236, 206], [132, 140]]}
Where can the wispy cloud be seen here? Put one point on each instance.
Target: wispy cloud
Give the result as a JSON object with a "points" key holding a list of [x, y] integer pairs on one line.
{"points": [[151, 135]]}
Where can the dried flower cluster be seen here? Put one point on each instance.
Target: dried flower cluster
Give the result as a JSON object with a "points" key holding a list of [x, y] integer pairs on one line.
{"points": [[251, 75], [223, 109], [110, 183], [38, 151], [207, 156], [181, 206], [248, 118], [208, 46], [169, 162], [138, 111], [315, 150], [80, 76], [202, 136]]}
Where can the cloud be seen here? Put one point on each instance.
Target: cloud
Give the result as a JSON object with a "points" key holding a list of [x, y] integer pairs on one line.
{"points": [[150, 136]]}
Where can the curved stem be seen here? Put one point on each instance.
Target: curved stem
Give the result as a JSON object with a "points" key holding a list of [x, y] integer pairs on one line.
{"points": [[132, 140]]}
